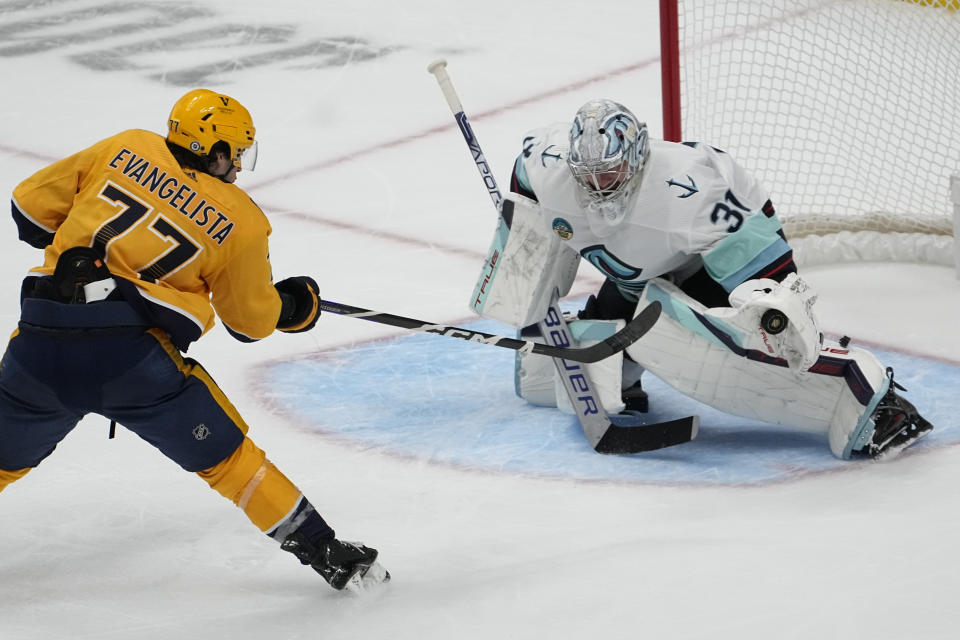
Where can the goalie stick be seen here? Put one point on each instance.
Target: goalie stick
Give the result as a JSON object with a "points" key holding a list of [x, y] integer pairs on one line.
{"points": [[614, 344], [629, 437], [623, 433]]}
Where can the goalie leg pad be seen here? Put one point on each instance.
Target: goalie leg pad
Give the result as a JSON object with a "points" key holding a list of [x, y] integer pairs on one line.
{"points": [[700, 357], [537, 381], [534, 375], [632, 372]]}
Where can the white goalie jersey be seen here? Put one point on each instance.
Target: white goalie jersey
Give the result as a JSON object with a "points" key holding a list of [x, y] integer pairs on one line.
{"points": [[695, 208]]}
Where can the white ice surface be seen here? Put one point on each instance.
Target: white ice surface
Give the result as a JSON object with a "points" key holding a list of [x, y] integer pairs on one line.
{"points": [[371, 190]]}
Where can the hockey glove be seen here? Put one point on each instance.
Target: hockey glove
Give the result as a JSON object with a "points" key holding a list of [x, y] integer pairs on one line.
{"points": [[300, 304], [778, 319]]}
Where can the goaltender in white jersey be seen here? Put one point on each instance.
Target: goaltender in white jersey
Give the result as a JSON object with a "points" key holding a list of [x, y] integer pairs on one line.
{"points": [[673, 221], [683, 224]]}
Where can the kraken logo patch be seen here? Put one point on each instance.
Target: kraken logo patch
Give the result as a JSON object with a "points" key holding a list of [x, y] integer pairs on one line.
{"points": [[200, 432], [562, 228]]}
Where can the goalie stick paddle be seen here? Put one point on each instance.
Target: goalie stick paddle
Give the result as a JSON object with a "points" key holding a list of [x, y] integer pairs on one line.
{"points": [[636, 328], [625, 432]]}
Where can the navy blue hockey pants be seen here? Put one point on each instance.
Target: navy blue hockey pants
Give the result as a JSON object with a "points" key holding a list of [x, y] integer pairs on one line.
{"points": [[50, 379]]}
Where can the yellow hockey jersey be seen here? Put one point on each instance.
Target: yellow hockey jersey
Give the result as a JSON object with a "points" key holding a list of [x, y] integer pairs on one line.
{"points": [[189, 242]]}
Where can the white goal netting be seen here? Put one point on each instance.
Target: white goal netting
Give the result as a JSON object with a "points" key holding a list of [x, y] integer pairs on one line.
{"points": [[847, 110]]}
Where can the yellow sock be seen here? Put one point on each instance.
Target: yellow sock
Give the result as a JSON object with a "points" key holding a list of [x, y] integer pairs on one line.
{"points": [[9, 477], [254, 484]]}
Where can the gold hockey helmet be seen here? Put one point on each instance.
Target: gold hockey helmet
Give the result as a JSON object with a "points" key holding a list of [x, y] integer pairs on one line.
{"points": [[201, 118]]}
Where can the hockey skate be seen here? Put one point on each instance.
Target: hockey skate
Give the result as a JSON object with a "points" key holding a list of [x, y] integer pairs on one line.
{"points": [[897, 425], [635, 398], [344, 565]]}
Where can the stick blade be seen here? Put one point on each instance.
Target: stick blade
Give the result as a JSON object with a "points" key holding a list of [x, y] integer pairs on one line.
{"points": [[642, 323], [635, 329], [648, 437]]}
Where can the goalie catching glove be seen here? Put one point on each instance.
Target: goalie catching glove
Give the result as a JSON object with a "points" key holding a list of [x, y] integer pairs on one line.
{"points": [[300, 304], [776, 318]]}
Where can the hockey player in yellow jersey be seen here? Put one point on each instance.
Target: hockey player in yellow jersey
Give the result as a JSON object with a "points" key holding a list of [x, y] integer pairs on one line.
{"points": [[145, 239]]}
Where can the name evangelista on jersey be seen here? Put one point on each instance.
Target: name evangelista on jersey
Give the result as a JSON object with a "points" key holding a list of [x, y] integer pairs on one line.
{"points": [[695, 207], [189, 243]]}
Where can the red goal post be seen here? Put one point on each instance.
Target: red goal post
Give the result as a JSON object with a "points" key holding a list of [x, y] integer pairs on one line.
{"points": [[848, 111]]}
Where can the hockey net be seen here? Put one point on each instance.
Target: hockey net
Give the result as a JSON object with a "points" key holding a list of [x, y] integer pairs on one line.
{"points": [[848, 111]]}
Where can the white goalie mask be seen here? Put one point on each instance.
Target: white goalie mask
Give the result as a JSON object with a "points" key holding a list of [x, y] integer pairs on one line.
{"points": [[608, 148]]}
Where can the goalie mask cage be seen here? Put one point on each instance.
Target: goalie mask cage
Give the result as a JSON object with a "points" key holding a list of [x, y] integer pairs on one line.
{"points": [[847, 111]]}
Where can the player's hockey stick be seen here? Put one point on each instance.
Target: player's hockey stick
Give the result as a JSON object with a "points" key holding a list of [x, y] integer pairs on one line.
{"points": [[614, 344], [623, 433]]}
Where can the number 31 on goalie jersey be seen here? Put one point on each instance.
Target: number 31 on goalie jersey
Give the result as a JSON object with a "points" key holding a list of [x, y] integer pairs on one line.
{"points": [[729, 212], [134, 213]]}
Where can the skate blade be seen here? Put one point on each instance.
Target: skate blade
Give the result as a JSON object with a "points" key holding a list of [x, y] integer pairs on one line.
{"points": [[364, 581], [894, 450]]}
